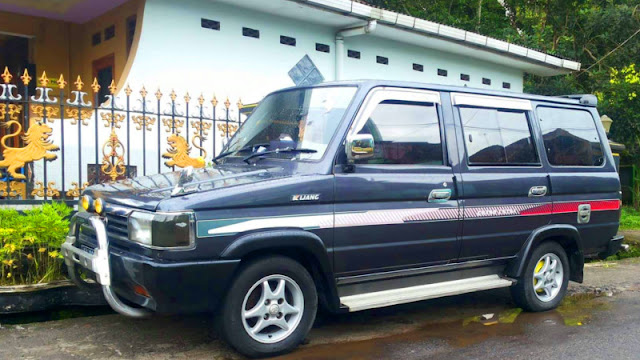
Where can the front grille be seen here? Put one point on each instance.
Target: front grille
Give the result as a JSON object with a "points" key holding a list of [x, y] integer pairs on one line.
{"points": [[87, 236], [117, 227]]}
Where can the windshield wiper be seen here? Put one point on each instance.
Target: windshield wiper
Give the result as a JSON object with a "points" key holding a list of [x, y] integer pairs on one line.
{"points": [[279, 151], [244, 149]]}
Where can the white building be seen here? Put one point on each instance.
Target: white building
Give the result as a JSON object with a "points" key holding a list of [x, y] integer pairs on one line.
{"points": [[235, 47]]}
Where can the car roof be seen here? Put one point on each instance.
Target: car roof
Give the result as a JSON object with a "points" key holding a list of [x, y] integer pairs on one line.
{"points": [[439, 87]]}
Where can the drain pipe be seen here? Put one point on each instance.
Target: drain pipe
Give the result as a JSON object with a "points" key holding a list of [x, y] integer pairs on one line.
{"points": [[355, 31]]}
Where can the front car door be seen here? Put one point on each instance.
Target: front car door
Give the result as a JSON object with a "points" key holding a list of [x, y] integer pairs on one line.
{"points": [[384, 219], [505, 187]]}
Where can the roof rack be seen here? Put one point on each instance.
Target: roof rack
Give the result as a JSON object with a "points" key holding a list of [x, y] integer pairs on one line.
{"points": [[584, 99]]}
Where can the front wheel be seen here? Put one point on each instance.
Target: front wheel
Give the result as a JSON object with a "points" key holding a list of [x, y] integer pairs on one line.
{"points": [[269, 308], [544, 282]]}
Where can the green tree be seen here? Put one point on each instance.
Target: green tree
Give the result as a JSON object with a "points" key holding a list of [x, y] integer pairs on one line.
{"points": [[589, 31], [620, 99]]}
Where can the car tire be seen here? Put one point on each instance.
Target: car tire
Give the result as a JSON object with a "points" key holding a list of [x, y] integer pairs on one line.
{"points": [[258, 322], [544, 282]]}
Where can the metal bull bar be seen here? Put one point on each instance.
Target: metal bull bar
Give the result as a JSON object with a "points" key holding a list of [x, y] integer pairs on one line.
{"points": [[98, 263]]}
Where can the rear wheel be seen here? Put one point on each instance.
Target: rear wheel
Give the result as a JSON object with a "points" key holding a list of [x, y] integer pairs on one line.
{"points": [[270, 307], [544, 282]]}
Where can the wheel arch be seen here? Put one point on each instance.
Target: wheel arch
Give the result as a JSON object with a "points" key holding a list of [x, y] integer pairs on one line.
{"points": [[566, 235], [303, 246]]}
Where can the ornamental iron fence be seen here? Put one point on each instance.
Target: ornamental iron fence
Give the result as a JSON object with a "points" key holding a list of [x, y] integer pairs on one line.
{"points": [[56, 142]]}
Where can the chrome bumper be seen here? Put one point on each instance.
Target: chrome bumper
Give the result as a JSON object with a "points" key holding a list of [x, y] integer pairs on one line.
{"points": [[98, 263]]}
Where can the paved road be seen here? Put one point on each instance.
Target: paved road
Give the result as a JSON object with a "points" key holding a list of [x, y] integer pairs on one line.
{"points": [[602, 327]]}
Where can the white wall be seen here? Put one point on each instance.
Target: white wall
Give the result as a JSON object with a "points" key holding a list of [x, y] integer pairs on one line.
{"points": [[403, 56], [175, 52]]}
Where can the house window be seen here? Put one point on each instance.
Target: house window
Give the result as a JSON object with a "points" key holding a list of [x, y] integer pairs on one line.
{"points": [[465, 77], [109, 32], [248, 32], [353, 54], [442, 72], [131, 31], [210, 24], [103, 71], [96, 39], [286, 40], [323, 48], [418, 67], [382, 60], [506, 85], [486, 81]]}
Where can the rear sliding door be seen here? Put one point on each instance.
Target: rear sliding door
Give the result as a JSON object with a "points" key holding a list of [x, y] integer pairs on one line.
{"points": [[504, 185]]}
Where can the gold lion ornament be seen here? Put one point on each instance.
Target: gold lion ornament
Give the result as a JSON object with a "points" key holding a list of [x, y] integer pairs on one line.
{"points": [[37, 147], [178, 153]]}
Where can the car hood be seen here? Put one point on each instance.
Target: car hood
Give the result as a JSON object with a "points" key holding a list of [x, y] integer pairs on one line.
{"points": [[148, 192]]}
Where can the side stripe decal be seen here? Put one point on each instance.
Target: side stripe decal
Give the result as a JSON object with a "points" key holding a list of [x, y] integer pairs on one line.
{"points": [[598, 205], [476, 212], [539, 209], [393, 216], [224, 227]]}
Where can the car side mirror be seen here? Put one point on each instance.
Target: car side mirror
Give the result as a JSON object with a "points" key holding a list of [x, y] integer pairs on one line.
{"points": [[360, 147]]}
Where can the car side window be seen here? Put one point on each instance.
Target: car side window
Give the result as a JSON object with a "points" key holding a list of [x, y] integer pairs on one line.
{"points": [[570, 137], [404, 132], [498, 137]]}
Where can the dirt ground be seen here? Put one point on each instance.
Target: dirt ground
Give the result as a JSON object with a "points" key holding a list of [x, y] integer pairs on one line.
{"points": [[631, 236]]}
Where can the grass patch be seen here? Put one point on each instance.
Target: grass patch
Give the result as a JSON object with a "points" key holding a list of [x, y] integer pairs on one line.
{"points": [[634, 251], [630, 219]]}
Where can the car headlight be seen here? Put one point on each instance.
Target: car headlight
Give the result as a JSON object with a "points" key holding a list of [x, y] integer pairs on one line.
{"points": [[86, 202], [98, 205], [160, 229]]}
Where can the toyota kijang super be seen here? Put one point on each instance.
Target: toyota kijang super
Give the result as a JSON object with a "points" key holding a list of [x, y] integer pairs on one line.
{"points": [[359, 195]]}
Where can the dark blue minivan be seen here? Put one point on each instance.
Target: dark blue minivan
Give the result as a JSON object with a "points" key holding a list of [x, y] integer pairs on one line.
{"points": [[358, 195]]}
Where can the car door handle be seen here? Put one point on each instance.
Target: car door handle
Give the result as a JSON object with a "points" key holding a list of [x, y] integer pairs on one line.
{"points": [[538, 191], [439, 195]]}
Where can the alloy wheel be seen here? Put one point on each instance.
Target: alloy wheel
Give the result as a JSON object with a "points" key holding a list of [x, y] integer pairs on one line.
{"points": [[548, 276], [272, 309]]}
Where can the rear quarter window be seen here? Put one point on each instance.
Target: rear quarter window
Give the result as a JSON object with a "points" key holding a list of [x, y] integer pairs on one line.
{"points": [[570, 137]]}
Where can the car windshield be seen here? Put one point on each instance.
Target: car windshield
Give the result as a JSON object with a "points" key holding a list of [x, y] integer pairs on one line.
{"points": [[296, 119]]}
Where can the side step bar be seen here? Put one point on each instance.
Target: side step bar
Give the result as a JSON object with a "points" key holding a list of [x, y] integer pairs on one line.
{"points": [[423, 292]]}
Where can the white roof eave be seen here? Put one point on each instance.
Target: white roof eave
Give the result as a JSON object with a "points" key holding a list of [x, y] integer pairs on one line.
{"points": [[539, 62]]}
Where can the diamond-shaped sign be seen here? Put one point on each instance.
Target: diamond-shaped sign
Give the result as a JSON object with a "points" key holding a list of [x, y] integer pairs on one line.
{"points": [[305, 73]]}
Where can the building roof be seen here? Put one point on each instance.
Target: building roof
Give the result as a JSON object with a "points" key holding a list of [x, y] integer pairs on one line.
{"points": [[404, 28], [77, 11], [361, 9]]}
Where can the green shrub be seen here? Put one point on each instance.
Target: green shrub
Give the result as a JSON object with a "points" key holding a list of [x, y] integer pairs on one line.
{"points": [[30, 244]]}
